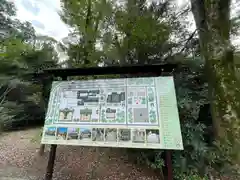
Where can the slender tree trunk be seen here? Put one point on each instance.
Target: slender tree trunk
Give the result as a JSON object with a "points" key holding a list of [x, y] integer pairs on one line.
{"points": [[212, 19], [88, 39]]}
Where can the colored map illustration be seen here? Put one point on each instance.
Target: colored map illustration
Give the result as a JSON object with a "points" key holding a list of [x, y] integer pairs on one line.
{"points": [[125, 101], [123, 111]]}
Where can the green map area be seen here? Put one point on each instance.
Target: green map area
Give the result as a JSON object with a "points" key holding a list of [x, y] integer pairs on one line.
{"points": [[131, 112]]}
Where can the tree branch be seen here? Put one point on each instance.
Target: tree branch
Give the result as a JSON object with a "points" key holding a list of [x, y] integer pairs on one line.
{"points": [[3, 96], [187, 10], [188, 40], [199, 11], [181, 51]]}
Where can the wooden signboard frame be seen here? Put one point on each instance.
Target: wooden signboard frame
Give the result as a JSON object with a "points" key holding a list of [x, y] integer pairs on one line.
{"points": [[48, 75]]}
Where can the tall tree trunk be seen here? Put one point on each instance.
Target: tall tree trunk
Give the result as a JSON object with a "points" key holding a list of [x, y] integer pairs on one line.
{"points": [[88, 38], [212, 19]]}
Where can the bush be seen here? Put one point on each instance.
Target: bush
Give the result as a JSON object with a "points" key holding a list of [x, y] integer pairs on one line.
{"points": [[191, 176], [22, 107]]}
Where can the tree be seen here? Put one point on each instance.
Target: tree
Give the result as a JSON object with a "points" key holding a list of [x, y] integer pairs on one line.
{"points": [[121, 31], [20, 55], [141, 32], [214, 26], [85, 17]]}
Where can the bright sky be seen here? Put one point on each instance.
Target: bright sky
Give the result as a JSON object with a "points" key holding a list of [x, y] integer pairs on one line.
{"points": [[43, 14]]}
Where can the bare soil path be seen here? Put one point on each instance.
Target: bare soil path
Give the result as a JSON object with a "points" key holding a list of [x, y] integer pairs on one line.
{"points": [[19, 160]]}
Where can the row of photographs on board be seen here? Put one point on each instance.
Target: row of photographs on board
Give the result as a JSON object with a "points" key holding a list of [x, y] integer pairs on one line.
{"points": [[85, 134]]}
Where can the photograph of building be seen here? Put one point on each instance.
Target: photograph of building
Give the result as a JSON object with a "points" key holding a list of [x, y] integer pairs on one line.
{"points": [[73, 133], [124, 135], [50, 133], [153, 136], [111, 135], [61, 133], [85, 134], [98, 134], [139, 136]]}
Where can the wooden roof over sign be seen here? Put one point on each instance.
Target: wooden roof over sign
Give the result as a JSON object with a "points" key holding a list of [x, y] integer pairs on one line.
{"points": [[162, 69]]}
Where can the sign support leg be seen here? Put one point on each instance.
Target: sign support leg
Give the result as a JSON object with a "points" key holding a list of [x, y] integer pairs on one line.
{"points": [[51, 160], [169, 165], [46, 80]]}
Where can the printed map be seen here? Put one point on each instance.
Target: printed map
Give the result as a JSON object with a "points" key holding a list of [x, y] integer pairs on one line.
{"points": [[131, 112]]}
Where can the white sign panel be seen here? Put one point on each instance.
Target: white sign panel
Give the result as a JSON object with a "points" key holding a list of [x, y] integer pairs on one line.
{"points": [[131, 113]]}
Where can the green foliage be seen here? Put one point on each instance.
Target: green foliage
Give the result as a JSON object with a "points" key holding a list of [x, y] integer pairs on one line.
{"points": [[86, 17], [20, 99], [9, 110], [196, 154], [132, 32], [191, 176], [11, 27], [142, 34]]}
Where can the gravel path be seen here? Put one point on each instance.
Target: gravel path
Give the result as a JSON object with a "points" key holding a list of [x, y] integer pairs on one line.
{"points": [[19, 159]]}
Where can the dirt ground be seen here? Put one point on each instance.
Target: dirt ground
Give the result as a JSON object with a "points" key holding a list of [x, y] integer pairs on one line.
{"points": [[19, 159]]}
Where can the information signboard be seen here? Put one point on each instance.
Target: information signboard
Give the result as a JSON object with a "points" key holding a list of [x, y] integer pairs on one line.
{"points": [[131, 113]]}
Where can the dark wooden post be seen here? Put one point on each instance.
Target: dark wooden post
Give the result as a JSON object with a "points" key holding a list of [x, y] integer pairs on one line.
{"points": [[46, 80], [51, 160], [169, 165]]}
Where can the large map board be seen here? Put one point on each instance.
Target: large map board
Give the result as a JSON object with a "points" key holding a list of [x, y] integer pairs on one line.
{"points": [[131, 112]]}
